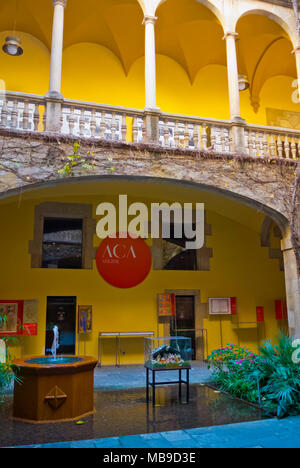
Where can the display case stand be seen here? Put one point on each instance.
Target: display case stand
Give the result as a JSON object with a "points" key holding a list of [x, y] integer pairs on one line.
{"points": [[180, 381]]}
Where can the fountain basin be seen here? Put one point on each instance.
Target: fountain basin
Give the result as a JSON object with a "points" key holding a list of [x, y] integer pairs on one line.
{"points": [[51, 361], [53, 390]]}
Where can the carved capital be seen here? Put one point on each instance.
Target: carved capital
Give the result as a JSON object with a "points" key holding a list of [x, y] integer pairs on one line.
{"points": [[296, 50], [62, 3], [229, 34], [150, 20]]}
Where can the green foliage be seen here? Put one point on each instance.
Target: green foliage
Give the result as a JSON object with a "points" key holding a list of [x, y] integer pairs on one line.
{"points": [[279, 378], [271, 379], [77, 160], [8, 371]]}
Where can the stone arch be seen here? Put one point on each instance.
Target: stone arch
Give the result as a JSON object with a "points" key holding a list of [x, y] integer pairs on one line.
{"points": [[273, 215], [274, 37], [208, 4], [277, 19]]}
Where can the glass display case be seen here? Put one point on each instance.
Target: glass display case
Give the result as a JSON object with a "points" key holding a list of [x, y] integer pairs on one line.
{"points": [[171, 352]]}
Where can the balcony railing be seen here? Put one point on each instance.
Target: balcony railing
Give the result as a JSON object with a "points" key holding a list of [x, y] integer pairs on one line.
{"points": [[27, 112]]}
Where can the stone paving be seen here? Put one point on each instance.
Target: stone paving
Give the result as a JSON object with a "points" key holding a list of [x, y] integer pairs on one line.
{"points": [[271, 433], [112, 377]]}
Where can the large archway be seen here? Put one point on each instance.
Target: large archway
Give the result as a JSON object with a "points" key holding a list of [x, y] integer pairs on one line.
{"points": [[232, 263]]}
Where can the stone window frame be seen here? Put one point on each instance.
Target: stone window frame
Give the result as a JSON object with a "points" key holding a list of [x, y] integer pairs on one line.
{"points": [[203, 255], [64, 211]]}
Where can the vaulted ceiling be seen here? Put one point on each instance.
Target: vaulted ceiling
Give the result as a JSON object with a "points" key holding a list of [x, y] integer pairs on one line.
{"points": [[186, 31], [265, 51]]}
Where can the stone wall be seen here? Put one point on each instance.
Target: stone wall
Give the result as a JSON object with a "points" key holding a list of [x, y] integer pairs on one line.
{"points": [[31, 160]]}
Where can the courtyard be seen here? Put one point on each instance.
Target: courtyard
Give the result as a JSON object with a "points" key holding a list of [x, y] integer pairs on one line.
{"points": [[124, 420]]}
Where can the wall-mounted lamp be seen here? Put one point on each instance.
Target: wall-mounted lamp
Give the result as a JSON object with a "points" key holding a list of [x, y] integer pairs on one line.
{"points": [[12, 46], [243, 83]]}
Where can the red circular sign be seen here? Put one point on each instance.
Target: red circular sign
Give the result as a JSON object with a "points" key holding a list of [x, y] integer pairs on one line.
{"points": [[124, 263]]}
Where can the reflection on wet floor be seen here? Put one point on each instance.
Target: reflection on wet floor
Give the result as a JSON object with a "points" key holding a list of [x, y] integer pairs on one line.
{"points": [[125, 412]]}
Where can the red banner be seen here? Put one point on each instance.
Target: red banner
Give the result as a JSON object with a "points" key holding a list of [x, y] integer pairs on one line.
{"points": [[260, 317], [278, 310], [233, 304]]}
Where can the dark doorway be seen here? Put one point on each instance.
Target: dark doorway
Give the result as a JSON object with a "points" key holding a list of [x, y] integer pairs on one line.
{"points": [[61, 311], [185, 319]]}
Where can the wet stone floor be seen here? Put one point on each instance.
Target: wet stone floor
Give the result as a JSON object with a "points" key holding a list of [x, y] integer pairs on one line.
{"points": [[125, 412]]}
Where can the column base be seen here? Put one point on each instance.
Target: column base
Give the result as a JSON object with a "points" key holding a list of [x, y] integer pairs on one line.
{"points": [[152, 117], [54, 101], [238, 135]]}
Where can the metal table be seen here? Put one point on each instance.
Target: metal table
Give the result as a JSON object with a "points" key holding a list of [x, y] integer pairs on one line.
{"points": [[154, 383], [118, 336]]}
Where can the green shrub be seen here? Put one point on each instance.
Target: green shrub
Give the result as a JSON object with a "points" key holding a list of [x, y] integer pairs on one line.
{"points": [[233, 366], [279, 378], [271, 379]]}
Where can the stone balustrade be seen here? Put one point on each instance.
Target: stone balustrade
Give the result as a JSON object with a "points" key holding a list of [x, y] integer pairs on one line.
{"points": [[111, 123], [27, 112], [272, 142], [194, 133], [21, 111]]}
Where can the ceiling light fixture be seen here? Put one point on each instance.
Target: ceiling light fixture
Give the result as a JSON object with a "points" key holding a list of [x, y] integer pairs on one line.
{"points": [[12, 44]]}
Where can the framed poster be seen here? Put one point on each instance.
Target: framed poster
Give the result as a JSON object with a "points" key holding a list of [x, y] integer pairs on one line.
{"points": [[219, 305], [30, 317], [85, 319], [13, 311], [166, 305]]}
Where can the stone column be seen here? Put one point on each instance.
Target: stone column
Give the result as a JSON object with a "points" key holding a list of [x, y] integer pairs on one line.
{"points": [[237, 130], [297, 58], [53, 97], [292, 284], [151, 111]]}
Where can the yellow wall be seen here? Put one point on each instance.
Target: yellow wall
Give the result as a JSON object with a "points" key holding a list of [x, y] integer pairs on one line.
{"points": [[93, 73], [239, 267], [28, 73]]}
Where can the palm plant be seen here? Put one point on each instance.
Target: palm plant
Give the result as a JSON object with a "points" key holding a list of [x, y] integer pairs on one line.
{"points": [[279, 378]]}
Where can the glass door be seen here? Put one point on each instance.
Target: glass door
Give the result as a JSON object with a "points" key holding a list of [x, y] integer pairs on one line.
{"points": [[185, 319]]}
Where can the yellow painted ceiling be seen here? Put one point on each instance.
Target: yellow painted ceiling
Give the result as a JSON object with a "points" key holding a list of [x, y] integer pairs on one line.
{"points": [[186, 31], [264, 51], [115, 24], [190, 33]]}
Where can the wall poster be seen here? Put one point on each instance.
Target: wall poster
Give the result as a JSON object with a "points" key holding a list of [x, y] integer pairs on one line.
{"points": [[85, 319], [13, 311]]}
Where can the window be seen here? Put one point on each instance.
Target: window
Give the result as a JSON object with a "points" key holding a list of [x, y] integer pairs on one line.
{"points": [[175, 255], [62, 243], [63, 236]]}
